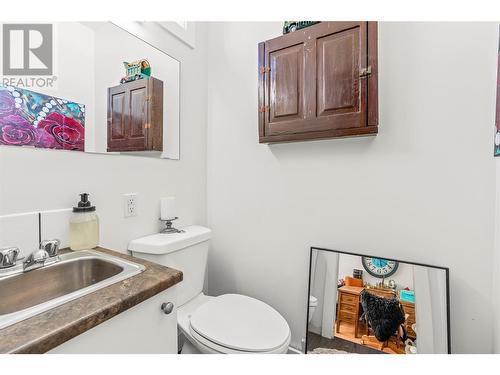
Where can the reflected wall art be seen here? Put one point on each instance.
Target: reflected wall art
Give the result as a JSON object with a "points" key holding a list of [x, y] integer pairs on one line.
{"points": [[28, 118]]}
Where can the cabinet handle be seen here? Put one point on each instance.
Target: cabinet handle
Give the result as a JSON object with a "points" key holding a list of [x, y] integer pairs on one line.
{"points": [[365, 72], [167, 307]]}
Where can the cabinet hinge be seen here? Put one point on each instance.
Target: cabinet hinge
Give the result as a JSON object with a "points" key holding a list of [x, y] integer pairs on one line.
{"points": [[264, 69], [147, 98], [147, 125], [264, 108], [365, 72]]}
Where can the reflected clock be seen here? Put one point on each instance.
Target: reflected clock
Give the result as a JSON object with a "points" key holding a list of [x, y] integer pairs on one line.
{"points": [[379, 267]]}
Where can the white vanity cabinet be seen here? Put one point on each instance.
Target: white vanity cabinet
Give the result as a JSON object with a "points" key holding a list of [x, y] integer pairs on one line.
{"points": [[142, 329]]}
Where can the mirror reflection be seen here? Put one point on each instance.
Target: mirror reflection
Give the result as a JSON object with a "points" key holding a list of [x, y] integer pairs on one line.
{"points": [[370, 305], [107, 91]]}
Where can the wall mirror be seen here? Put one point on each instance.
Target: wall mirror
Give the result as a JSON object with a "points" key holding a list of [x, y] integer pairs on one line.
{"points": [[370, 305], [92, 86]]}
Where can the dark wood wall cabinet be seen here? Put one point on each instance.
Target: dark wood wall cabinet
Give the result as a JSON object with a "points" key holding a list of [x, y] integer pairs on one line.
{"points": [[319, 82], [135, 116]]}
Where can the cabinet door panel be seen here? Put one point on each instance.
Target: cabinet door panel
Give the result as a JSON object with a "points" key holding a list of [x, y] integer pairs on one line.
{"points": [[138, 114], [118, 118], [338, 72], [341, 93], [286, 83], [127, 117], [284, 96]]}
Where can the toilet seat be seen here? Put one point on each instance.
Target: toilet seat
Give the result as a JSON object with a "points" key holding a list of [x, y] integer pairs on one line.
{"points": [[233, 323], [210, 347]]}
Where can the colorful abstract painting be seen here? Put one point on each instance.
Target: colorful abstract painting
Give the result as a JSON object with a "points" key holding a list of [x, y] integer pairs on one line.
{"points": [[28, 118], [497, 119]]}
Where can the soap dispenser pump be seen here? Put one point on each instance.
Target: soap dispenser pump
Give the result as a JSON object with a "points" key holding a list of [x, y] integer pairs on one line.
{"points": [[83, 225]]}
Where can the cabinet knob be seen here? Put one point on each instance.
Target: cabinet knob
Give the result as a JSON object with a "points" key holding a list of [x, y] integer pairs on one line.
{"points": [[167, 307]]}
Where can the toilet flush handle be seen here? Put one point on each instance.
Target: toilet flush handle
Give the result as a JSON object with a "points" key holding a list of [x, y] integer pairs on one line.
{"points": [[167, 307]]}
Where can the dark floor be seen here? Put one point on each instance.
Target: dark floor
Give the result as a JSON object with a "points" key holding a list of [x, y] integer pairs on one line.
{"points": [[316, 341]]}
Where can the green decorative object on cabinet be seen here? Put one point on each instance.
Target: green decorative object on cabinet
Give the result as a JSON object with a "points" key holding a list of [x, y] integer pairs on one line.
{"points": [[136, 70], [290, 26]]}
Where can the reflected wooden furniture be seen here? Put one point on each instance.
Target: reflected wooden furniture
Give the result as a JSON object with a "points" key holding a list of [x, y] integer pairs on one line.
{"points": [[351, 281], [135, 116], [409, 308], [348, 307]]}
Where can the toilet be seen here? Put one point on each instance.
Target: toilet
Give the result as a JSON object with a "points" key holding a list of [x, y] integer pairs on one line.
{"points": [[313, 302], [226, 324]]}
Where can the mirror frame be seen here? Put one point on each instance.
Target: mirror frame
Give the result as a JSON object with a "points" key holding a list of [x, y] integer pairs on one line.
{"points": [[447, 276]]}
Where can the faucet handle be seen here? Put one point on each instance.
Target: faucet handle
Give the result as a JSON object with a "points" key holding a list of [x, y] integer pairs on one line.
{"points": [[8, 256], [35, 260], [51, 247]]}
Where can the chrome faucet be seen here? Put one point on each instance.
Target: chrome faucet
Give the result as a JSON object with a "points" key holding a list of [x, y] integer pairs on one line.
{"points": [[51, 247], [8, 256], [48, 252], [35, 260]]}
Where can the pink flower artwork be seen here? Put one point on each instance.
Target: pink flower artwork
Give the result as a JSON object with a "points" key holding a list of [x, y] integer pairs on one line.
{"points": [[32, 119]]}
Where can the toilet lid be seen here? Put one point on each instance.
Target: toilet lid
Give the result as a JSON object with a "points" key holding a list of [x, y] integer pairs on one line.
{"points": [[241, 323]]}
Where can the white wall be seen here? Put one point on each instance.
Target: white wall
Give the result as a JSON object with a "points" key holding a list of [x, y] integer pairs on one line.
{"points": [[38, 179], [422, 190], [74, 46]]}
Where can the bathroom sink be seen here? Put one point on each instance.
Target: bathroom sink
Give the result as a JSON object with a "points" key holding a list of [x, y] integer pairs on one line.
{"points": [[76, 274]]}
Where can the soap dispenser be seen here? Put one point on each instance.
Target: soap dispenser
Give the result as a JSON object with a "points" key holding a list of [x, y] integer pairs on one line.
{"points": [[83, 225]]}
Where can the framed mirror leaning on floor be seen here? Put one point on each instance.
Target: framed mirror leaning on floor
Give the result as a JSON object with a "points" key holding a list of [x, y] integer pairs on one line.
{"points": [[371, 305]]}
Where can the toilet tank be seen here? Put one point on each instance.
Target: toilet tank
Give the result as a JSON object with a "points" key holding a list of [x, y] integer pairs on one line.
{"points": [[186, 252]]}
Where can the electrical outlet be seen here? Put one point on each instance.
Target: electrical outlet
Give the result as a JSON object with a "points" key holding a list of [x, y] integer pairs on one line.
{"points": [[130, 204]]}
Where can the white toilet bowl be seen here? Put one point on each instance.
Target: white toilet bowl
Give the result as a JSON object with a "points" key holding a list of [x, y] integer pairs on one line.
{"points": [[232, 324]]}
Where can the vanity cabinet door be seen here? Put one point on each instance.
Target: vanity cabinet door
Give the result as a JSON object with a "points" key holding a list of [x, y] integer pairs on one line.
{"points": [[319, 82], [135, 116], [142, 329]]}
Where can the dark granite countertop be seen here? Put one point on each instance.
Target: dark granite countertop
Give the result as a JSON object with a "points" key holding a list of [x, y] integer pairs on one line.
{"points": [[51, 328]]}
